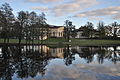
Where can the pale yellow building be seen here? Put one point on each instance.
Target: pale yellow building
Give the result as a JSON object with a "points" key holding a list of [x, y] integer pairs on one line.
{"points": [[56, 31], [53, 31]]}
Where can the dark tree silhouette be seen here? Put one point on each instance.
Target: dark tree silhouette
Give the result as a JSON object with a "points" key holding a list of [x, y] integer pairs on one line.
{"points": [[9, 18], [69, 28], [88, 30], [101, 29]]}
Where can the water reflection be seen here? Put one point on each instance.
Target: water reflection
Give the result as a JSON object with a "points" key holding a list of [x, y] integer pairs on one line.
{"points": [[101, 53], [29, 61]]}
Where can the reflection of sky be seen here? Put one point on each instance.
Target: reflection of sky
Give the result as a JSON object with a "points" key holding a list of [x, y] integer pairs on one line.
{"points": [[94, 62], [79, 70], [55, 61], [79, 60], [111, 48], [118, 48]]}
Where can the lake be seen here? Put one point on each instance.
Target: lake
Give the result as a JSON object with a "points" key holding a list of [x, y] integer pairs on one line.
{"points": [[59, 62]]}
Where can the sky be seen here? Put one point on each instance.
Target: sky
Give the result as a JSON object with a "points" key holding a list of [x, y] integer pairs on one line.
{"points": [[77, 11]]}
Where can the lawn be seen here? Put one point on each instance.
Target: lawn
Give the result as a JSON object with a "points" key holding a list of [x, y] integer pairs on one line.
{"points": [[62, 41], [82, 42]]}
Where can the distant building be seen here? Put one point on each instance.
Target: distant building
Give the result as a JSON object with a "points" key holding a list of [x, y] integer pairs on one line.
{"points": [[54, 31], [110, 30], [81, 35]]}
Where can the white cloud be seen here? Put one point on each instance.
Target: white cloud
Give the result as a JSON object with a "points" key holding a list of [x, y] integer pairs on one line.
{"points": [[44, 1], [95, 18], [44, 9], [110, 11], [73, 6], [117, 16], [67, 6]]}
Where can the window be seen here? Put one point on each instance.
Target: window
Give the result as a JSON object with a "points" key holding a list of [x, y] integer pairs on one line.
{"points": [[54, 34], [60, 34]]}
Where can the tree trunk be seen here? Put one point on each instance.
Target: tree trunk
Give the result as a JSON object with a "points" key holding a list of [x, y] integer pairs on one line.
{"points": [[20, 39], [4, 40]]}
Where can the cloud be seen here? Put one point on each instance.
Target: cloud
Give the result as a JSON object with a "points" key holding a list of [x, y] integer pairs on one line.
{"points": [[117, 16], [95, 18], [66, 7], [44, 1], [44, 9], [72, 7], [110, 11]]}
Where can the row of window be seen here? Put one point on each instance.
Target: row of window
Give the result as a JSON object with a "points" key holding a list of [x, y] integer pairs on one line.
{"points": [[57, 34]]}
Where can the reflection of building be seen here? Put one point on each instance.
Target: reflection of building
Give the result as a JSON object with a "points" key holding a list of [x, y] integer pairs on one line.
{"points": [[57, 52], [78, 49], [0, 52], [114, 50], [51, 52], [44, 48]]}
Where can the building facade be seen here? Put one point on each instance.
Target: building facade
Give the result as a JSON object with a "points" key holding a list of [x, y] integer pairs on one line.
{"points": [[80, 34], [53, 31], [56, 31]]}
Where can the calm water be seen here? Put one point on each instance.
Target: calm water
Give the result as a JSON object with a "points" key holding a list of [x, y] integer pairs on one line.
{"points": [[59, 63]]}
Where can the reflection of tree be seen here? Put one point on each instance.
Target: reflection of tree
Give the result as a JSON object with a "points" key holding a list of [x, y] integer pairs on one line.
{"points": [[6, 71], [107, 53], [68, 56], [6, 67], [31, 64], [25, 62], [101, 53], [113, 55], [87, 54]]}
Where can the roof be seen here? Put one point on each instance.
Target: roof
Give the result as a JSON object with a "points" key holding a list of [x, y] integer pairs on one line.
{"points": [[82, 28], [77, 30], [55, 26]]}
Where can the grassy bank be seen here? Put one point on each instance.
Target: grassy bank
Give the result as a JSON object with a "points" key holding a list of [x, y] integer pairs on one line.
{"points": [[62, 41], [83, 42]]}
